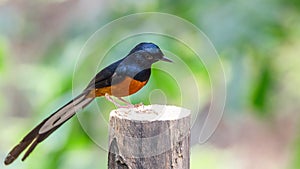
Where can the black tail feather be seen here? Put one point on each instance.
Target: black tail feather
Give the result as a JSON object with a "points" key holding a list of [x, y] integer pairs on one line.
{"points": [[31, 148], [39, 138], [26, 141], [33, 138]]}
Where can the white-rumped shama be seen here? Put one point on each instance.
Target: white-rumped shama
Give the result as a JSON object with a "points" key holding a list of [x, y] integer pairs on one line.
{"points": [[122, 78]]}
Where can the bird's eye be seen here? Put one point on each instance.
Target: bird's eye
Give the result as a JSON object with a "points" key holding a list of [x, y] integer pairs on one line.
{"points": [[149, 57]]}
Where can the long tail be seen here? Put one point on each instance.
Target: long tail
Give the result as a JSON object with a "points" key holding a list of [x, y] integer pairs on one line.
{"points": [[47, 126]]}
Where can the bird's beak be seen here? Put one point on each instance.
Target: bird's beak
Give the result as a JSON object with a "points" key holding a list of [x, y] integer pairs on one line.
{"points": [[166, 59]]}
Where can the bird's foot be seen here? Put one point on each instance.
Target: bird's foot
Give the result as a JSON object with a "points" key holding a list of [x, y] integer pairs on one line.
{"points": [[139, 105]]}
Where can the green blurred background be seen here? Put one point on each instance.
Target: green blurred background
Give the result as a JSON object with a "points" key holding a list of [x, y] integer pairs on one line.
{"points": [[258, 42]]}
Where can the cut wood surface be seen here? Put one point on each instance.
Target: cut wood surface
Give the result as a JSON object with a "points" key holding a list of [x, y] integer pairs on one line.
{"points": [[145, 137]]}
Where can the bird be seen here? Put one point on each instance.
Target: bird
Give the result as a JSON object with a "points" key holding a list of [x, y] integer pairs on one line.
{"points": [[122, 78]]}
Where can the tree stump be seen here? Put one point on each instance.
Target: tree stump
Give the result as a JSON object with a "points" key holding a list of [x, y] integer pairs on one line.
{"points": [[146, 137]]}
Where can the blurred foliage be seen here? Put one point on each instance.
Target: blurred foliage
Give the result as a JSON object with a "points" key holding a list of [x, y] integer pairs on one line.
{"points": [[295, 162], [258, 42], [262, 86], [3, 53]]}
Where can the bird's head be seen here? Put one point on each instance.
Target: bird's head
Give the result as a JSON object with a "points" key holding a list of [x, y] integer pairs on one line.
{"points": [[148, 52]]}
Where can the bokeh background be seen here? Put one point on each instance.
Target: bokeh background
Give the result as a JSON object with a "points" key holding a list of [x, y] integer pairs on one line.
{"points": [[258, 42]]}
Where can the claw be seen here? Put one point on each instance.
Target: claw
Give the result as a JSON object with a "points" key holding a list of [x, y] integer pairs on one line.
{"points": [[139, 105]]}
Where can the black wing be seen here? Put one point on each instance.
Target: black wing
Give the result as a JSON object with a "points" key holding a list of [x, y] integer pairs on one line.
{"points": [[104, 77]]}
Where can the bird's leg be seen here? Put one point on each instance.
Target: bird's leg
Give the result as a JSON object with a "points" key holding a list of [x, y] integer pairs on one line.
{"points": [[129, 104], [124, 101], [109, 98]]}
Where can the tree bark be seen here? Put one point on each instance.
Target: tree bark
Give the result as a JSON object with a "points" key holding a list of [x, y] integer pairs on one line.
{"points": [[146, 137]]}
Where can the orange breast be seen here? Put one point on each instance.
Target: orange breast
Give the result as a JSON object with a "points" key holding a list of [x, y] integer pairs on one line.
{"points": [[127, 87]]}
